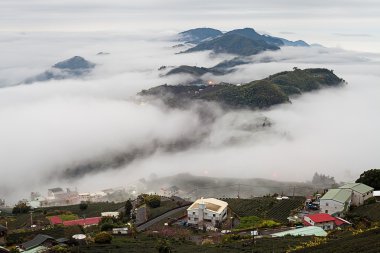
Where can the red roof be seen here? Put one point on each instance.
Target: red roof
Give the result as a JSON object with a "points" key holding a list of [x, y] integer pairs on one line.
{"points": [[320, 217], [83, 222], [55, 220], [339, 221]]}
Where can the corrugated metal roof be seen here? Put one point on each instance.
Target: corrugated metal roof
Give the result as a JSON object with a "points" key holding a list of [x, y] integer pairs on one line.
{"points": [[358, 187], [305, 231], [36, 241], [340, 195]]}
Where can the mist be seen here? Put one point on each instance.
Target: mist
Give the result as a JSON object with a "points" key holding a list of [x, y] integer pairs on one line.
{"points": [[95, 132]]}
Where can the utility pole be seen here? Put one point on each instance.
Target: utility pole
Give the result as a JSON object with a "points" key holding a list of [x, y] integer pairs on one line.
{"points": [[31, 219], [294, 189], [238, 195]]}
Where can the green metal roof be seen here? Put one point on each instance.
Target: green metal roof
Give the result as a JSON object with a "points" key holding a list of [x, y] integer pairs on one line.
{"points": [[305, 231], [340, 195], [358, 187]]}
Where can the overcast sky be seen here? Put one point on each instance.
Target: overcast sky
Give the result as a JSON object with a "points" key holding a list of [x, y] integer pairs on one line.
{"points": [[349, 24], [47, 127]]}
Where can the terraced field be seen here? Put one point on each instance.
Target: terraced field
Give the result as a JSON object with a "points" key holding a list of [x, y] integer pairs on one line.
{"points": [[265, 207], [368, 242]]}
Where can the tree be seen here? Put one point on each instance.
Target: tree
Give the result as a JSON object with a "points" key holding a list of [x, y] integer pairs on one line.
{"points": [[103, 237], [128, 208], [83, 206], [21, 207], [370, 178], [153, 200]]}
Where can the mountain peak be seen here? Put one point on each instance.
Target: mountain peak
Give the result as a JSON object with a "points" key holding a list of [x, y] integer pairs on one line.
{"points": [[76, 62]]}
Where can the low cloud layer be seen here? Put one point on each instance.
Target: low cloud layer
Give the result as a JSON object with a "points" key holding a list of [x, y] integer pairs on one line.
{"points": [[51, 131]]}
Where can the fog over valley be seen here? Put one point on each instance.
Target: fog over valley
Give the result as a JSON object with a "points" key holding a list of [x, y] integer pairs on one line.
{"points": [[94, 131]]}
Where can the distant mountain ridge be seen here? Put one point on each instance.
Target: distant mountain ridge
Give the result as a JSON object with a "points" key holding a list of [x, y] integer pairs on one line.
{"points": [[197, 35], [258, 94], [74, 67], [244, 41]]}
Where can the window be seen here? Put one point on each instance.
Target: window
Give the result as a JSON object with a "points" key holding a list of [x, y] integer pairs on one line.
{"points": [[193, 213], [327, 204], [326, 211], [213, 215]]}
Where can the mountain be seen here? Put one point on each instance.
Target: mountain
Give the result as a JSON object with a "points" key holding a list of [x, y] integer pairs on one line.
{"points": [[258, 94], [285, 42], [74, 67], [253, 35], [222, 68], [198, 35], [233, 44], [195, 71]]}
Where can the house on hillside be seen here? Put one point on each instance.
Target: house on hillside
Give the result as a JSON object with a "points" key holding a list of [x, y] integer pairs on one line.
{"points": [[38, 241], [360, 192], [207, 210], [324, 221], [335, 202]]}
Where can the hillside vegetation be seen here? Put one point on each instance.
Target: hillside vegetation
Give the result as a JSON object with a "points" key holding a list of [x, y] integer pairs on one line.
{"points": [[265, 207], [272, 90]]}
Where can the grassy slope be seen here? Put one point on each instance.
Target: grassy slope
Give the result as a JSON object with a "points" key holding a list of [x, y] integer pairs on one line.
{"points": [[371, 211], [366, 242]]}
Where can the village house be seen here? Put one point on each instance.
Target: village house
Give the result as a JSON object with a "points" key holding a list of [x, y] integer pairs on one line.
{"points": [[324, 221], [335, 202], [207, 210], [40, 240], [360, 192]]}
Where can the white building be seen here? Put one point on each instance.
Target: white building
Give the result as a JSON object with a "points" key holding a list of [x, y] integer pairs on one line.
{"points": [[110, 214], [335, 201], [376, 194], [360, 192], [211, 210]]}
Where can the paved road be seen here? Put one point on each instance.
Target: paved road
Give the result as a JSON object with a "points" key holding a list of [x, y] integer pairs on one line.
{"points": [[160, 218]]}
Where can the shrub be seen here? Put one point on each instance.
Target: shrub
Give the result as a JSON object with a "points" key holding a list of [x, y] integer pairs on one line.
{"points": [[83, 206], [163, 246], [370, 200], [21, 207], [103, 237], [58, 249], [152, 200]]}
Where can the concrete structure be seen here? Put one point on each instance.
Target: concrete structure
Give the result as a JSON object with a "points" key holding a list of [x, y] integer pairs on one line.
{"points": [[209, 210], [360, 192], [335, 202], [120, 231], [110, 214], [305, 231], [376, 194]]}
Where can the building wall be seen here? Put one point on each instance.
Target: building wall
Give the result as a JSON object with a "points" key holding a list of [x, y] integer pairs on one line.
{"points": [[358, 198], [195, 215], [331, 206]]}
